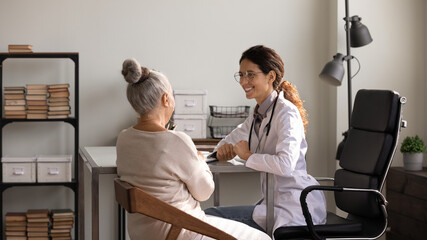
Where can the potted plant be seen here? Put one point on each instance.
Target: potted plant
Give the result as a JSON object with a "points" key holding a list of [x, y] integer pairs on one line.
{"points": [[413, 149]]}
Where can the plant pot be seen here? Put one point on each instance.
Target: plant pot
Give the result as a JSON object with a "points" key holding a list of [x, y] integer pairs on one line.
{"points": [[413, 161]]}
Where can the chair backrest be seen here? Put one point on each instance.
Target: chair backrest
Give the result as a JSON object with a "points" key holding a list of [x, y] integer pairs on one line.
{"points": [[368, 150], [135, 200]]}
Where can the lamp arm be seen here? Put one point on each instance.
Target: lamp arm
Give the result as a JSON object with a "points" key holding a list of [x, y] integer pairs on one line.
{"points": [[347, 30]]}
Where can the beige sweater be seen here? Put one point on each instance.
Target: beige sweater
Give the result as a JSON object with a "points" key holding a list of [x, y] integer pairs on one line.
{"points": [[164, 164]]}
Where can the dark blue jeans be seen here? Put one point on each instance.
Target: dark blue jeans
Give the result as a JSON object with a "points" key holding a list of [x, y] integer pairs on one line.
{"points": [[241, 214]]}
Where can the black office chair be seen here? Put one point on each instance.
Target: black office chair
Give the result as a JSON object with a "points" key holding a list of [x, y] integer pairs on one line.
{"points": [[366, 158]]}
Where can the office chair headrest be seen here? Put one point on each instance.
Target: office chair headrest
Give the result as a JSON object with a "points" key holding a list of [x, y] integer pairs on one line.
{"points": [[375, 110]]}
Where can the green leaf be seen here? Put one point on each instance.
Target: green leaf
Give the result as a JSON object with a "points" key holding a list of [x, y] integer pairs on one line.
{"points": [[413, 145]]}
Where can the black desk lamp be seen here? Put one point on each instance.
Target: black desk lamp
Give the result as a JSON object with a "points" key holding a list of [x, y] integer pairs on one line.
{"points": [[356, 36]]}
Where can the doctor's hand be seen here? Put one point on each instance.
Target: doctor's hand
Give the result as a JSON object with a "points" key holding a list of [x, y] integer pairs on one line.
{"points": [[225, 152], [242, 150]]}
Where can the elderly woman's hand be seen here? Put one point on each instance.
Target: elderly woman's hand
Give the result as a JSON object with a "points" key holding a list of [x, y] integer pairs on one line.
{"points": [[201, 156]]}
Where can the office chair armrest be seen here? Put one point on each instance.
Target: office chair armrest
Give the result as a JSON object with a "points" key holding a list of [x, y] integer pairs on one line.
{"points": [[307, 214], [324, 179]]}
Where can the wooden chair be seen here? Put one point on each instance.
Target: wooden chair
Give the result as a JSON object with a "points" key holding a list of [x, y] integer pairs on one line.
{"points": [[135, 200]]}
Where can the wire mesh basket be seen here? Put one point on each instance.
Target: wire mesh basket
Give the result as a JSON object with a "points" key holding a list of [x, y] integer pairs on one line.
{"points": [[229, 112], [220, 131]]}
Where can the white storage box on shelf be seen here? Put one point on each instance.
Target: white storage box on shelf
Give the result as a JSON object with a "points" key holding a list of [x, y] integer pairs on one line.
{"points": [[191, 102], [54, 168], [193, 125], [19, 169]]}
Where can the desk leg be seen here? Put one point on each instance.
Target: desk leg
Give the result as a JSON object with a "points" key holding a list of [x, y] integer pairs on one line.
{"points": [[216, 191], [95, 204], [270, 203], [81, 212]]}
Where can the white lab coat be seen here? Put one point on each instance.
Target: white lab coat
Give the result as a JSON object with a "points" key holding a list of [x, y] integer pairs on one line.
{"points": [[282, 153]]}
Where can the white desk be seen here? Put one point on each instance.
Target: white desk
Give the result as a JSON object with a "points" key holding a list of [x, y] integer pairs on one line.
{"points": [[102, 160]]}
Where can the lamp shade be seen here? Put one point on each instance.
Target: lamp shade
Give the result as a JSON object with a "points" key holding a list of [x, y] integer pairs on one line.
{"points": [[359, 33], [333, 72]]}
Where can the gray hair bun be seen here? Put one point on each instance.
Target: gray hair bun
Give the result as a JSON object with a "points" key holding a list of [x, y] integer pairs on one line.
{"points": [[133, 72]]}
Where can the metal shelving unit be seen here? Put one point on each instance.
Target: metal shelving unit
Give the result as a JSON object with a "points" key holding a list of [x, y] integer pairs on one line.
{"points": [[74, 121]]}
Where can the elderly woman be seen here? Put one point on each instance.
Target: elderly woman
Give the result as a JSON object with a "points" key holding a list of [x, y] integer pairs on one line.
{"points": [[165, 163]]}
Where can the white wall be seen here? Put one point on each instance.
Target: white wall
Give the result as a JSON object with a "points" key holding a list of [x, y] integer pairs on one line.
{"points": [[395, 60], [197, 44], [425, 66]]}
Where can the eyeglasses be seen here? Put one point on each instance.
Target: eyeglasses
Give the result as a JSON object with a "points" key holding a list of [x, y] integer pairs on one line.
{"points": [[239, 76]]}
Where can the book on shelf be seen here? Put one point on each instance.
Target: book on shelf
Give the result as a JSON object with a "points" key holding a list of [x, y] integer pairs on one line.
{"points": [[12, 233], [16, 238], [59, 104], [36, 86], [16, 224], [37, 91], [22, 112], [39, 238], [36, 97], [15, 116], [57, 116], [62, 213], [15, 102], [59, 113], [59, 94], [16, 216], [58, 99], [37, 224], [14, 96], [60, 85], [59, 108], [52, 90], [38, 220], [31, 111], [63, 219], [20, 51], [63, 223], [14, 108], [37, 213], [36, 102], [37, 107], [37, 229], [14, 88], [36, 116], [13, 91], [60, 230], [20, 48], [60, 236], [38, 234], [16, 228]]}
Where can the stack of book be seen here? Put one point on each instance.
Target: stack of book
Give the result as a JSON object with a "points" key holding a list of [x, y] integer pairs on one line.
{"points": [[62, 223], [36, 101], [14, 106], [59, 101], [20, 48], [16, 226], [38, 224]]}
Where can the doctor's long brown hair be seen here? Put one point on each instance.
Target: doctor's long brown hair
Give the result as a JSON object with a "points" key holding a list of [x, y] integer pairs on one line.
{"points": [[268, 60]]}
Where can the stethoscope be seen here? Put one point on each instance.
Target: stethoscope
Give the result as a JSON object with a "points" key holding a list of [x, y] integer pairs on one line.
{"points": [[268, 126]]}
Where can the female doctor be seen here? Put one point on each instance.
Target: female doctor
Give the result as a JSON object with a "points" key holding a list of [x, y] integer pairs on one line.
{"points": [[273, 141]]}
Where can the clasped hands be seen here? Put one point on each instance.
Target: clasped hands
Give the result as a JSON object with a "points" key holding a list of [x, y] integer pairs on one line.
{"points": [[228, 151]]}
